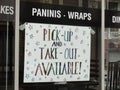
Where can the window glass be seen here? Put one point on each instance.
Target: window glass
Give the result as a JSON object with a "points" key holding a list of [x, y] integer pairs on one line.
{"points": [[6, 55], [7, 37], [112, 46], [94, 82]]}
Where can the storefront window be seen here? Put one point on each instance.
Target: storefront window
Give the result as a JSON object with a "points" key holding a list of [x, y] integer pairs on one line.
{"points": [[94, 82], [7, 44], [6, 55], [112, 48]]}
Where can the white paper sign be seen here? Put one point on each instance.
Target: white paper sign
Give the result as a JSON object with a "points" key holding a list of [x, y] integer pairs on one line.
{"points": [[56, 53]]}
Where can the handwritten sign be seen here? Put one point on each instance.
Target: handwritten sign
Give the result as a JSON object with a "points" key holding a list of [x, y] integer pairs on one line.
{"points": [[55, 53]]}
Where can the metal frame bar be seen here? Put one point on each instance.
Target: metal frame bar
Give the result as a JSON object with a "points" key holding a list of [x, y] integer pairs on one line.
{"points": [[102, 64], [16, 76], [7, 50]]}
